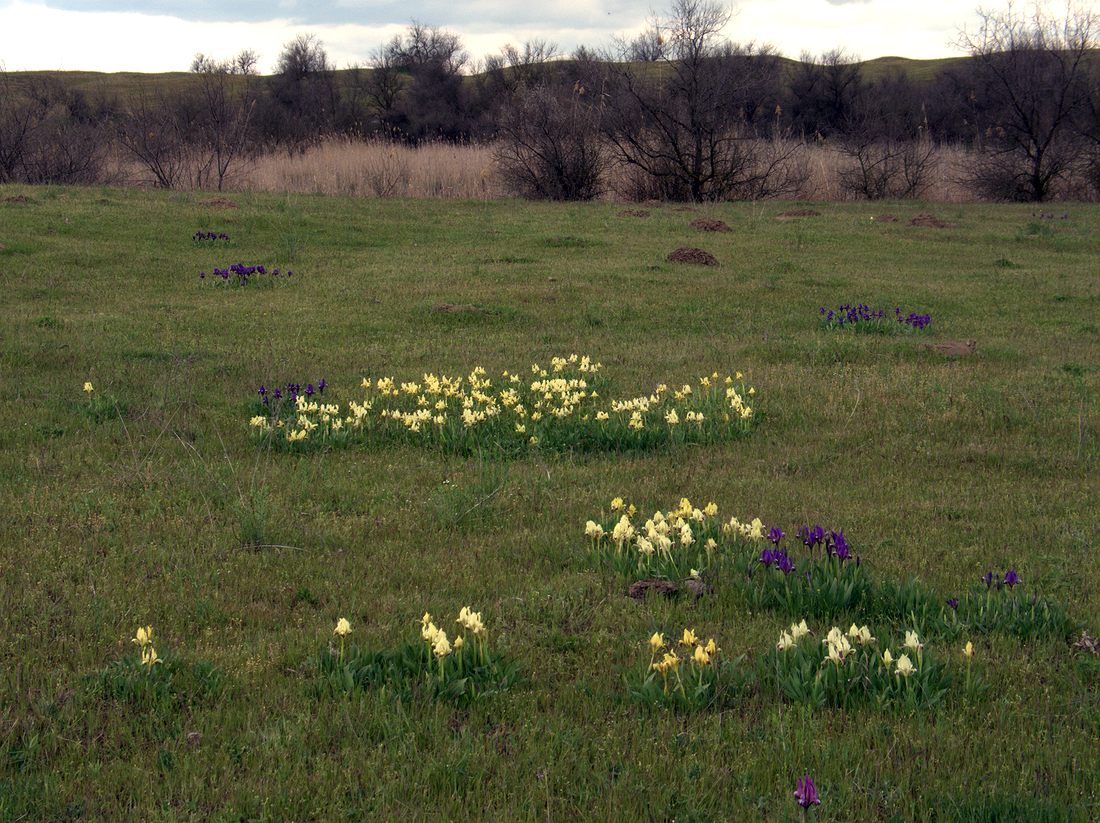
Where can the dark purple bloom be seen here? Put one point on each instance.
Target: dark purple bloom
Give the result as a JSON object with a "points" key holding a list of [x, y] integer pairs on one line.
{"points": [[775, 535], [953, 602], [806, 793], [783, 563], [262, 391], [1011, 578], [837, 544], [309, 390], [811, 536], [767, 557], [278, 393], [987, 578], [321, 386]]}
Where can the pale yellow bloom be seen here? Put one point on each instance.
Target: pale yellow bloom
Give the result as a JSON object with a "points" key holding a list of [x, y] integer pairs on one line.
{"points": [[968, 649], [711, 509], [799, 630], [905, 666], [657, 642], [887, 658], [617, 504], [143, 636], [785, 642], [593, 530], [912, 642], [689, 638], [343, 627], [701, 657], [712, 647], [149, 656], [88, 387], [459, 642]]}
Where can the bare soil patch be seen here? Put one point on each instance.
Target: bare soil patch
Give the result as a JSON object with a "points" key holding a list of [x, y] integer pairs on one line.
{"points": [[218, 203], [707, 224], [886, 218], [695, 257], [19, 198], [929, 221], [634, 213], [953, 348]]}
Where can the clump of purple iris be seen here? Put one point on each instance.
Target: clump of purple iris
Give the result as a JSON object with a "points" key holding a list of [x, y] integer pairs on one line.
{"points": [[811, 536], [806, 792], [210, 236], [853, 315], [241, 274], [291, 391], [778, 558], [775, 535]]}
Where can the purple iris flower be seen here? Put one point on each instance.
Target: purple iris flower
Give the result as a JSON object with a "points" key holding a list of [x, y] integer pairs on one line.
{"points": [[837, 544], [953, 602], [262, 391], [783, 563], [321, 386], [775, 535], [806, 793], [987, 578], [309, 390], [811, 536], [767, 557], [278, 393], [1011, 578]]}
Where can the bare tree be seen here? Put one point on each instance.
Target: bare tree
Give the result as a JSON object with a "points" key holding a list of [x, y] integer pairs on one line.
{"points": [[682, 121], [550, 145], [223, 133], [1029, 84], [20, 117], [824, 92]]}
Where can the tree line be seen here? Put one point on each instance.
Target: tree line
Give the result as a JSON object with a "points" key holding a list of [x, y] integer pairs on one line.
{"points": [[680, 112]]}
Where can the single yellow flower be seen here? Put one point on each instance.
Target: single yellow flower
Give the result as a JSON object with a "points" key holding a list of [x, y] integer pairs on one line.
{"points": [[711, 509], [968, 649], [905, 666], [689, 638], [88, 387], [712, 647], [701, 657], [887, 658], [149, 656], [785, 642], [343, 627], [143, 636], [459, 643], [912, 642], [657, 642], [617, 504]]}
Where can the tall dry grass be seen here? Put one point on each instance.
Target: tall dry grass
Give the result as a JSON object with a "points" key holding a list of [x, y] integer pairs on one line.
{"points": [[379, 168]]}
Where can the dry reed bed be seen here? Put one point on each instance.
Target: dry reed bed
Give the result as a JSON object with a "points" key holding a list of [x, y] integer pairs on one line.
{"points": [[379, 168]]}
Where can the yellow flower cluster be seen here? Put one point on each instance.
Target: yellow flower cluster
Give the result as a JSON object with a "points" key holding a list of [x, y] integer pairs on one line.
{"points": [[561, 399], [665, 657], [143, 638], [664, 532], [437, 639]]}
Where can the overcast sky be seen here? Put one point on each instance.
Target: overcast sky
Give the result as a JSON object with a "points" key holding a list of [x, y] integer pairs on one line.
{"points": [[163, 35]]}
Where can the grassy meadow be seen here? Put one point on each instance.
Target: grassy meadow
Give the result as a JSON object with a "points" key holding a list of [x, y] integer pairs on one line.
{"points": [[147, 502]]}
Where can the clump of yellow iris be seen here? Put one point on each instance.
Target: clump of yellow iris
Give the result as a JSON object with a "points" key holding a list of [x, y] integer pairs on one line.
{"points": [[143, 638]]}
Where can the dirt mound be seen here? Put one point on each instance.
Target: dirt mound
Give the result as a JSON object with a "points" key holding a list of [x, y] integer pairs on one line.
{"points": [[929, 221], [457, 308], [953, 348], [689, 585], [19, 198], [1087, 643], [633, 213], [696, 257], [885, 218], [2, 247], [706, 224], [793, 213], [218, 203]]}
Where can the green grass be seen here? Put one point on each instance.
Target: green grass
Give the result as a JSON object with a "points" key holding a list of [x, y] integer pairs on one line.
{"points": [[243, 559]]}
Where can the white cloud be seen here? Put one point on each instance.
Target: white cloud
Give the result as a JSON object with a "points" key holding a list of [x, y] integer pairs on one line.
{"points": [[36, 36]]}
